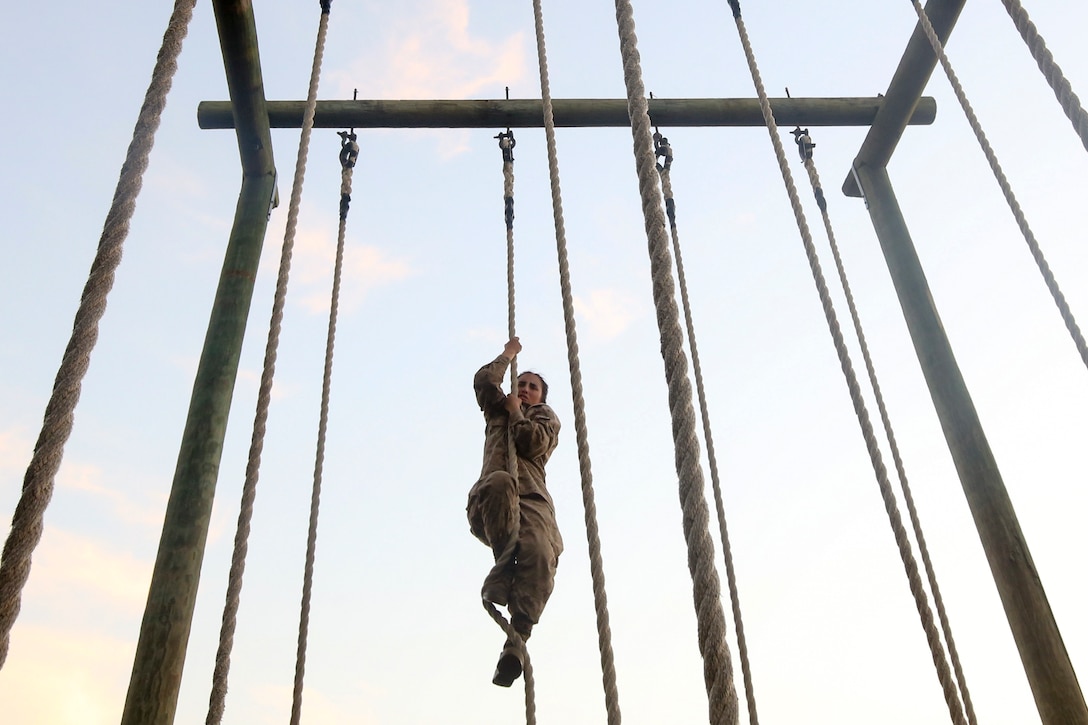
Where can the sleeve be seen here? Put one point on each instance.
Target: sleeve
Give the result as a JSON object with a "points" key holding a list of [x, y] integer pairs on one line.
{"points": [[536, 434], [488, 384]]}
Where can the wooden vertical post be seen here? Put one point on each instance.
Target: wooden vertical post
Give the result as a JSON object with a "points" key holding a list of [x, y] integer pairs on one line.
{"points": [[1049, 670], [164, 633]]}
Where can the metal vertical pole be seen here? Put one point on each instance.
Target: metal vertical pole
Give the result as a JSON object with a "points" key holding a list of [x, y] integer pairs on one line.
{"points": [[1049, 671]]}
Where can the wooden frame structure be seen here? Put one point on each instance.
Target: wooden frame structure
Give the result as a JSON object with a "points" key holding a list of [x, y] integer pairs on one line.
{"points": [[156, 676]]}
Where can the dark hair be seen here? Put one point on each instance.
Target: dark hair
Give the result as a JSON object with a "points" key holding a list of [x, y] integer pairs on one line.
{"points": [[543, 384]]}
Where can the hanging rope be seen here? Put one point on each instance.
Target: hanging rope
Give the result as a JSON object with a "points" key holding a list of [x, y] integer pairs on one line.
{"points": [[505, 559], [1051, 70], [517, 641], [506, 145], [348, 157], [217, 699], [596, 565], [1006, 188], [663, 149], [717, 667], [901, 539], [27, 522], [805, 147]]}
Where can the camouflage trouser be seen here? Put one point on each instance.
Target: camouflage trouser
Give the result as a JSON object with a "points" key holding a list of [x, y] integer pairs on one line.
{"points": [[493, 503]]}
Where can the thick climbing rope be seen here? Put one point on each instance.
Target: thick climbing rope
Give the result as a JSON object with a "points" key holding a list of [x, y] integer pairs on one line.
{"points": [[596, 565], [506, 146], [38, 482], [347, 163], [710, 618], [1063, 91], [663, 149], [518, 641], [805, 146], [504, 559], [1006, 188], [217, 699], [886, 492]]}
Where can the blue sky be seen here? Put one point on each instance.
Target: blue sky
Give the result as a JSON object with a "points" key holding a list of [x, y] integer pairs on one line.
{"points": [[397, 633]]}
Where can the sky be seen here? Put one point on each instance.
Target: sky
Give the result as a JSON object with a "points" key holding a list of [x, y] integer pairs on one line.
{"points": [[397, 634]]}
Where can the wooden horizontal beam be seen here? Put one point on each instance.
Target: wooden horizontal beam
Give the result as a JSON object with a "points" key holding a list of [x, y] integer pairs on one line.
{"points": [[577, 112]]}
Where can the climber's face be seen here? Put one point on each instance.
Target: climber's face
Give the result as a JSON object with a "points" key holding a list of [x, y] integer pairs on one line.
{"points": [[530, 388]]}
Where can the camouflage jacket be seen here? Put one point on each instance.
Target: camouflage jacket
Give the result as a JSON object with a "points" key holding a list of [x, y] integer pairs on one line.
{"points": [[535, 429]]}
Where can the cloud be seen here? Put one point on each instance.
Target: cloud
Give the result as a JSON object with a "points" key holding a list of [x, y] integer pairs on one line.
{"points": [[64, 677], [436, 55], [88, 479], [74, 572], [175, 180], [321, 708], [269, 702], [368, 267], [15, 452], [251, 378], [365, 268], [451, 142], [487, 334], [16, 448], [607, 312]]}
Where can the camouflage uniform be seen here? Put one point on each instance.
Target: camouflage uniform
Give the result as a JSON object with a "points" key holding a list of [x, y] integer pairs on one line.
{"points": [[495, 498]]}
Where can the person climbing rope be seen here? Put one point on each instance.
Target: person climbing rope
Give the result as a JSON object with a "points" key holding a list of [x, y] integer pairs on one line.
{"points": [[516, 518]]}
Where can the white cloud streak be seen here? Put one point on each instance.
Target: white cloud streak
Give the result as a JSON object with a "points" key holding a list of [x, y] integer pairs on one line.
{"points": [[88, 479], [607, 312], [64, 677], [365, 269], [78, 572], [437, 55]]}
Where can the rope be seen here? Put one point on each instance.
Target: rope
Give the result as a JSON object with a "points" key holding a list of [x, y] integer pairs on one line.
{"points": [[805, 144], [27, 522], [506, 145], [717, 667], [517, 641], [662, 148], [903, 543], [1051, 70], [315, 499], [596, 566], [1006, 189], [505, 558], [217, 699]]}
